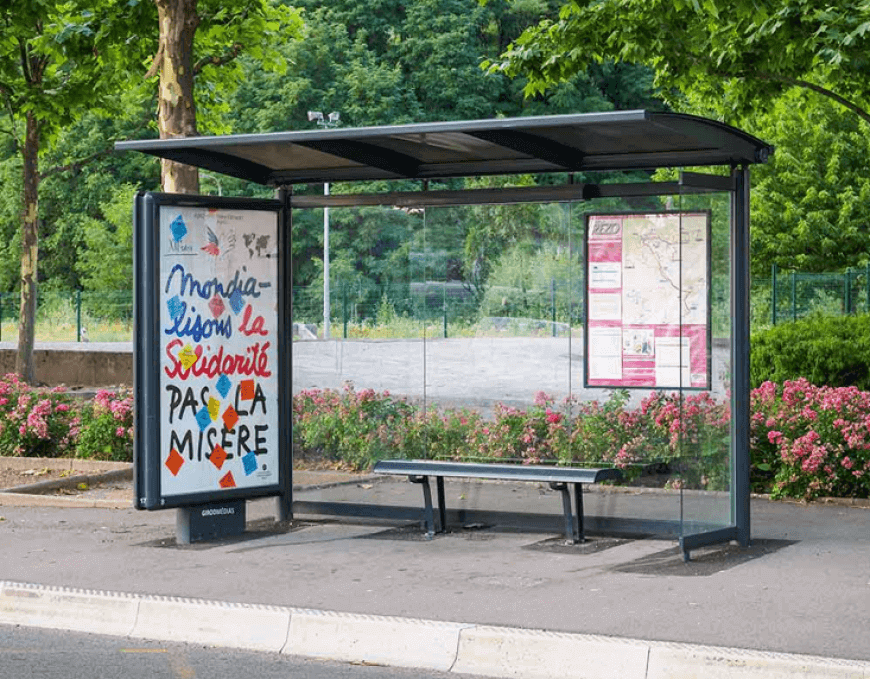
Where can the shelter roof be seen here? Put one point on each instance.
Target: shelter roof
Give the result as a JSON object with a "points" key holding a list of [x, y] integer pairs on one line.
{"points": [[587, 142]]}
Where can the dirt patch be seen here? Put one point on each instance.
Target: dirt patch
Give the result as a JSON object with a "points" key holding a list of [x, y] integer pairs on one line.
{"points": [[23, 471], [11, 478]]}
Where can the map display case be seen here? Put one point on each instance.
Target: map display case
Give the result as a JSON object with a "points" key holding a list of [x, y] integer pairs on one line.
{"points": [[648, 300]]}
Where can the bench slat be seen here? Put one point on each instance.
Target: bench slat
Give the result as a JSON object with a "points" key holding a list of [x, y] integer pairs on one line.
{"points": [[505, 472]]}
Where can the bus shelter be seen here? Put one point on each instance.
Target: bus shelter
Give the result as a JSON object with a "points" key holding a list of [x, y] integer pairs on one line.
{"points": [[583, 277]]}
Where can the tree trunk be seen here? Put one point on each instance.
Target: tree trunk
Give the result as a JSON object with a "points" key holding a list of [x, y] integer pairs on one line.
{"points": [[176, 116], [29, 252]]}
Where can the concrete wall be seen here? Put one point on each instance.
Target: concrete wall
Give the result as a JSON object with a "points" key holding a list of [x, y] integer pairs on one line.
{"points": [[76, 364]]}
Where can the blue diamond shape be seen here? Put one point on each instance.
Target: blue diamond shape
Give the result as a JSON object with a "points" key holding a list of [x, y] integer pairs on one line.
{"points": [[250, 463], [178, 229], [223, 385], [175, 306], [237, 301], [203, 418]]}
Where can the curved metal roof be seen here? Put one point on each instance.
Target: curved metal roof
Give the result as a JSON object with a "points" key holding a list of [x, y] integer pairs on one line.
{"points": [[620, 140]]}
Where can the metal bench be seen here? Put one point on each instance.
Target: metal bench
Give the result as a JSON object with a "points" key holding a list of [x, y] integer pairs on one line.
{"points": [[559, 478]]}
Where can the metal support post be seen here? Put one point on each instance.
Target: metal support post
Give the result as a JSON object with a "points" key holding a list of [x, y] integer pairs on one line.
{"points": [[740, 355]]}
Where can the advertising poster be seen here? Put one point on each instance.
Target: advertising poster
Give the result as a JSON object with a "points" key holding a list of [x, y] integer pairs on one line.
{"points": [[218, 369], [648, 300]]}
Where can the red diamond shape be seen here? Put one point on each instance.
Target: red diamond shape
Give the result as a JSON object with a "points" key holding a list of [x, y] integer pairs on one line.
{"points": [[228, 481], [174, 461], [246, 390], [218, 456], [230, 418], [216, 304]]}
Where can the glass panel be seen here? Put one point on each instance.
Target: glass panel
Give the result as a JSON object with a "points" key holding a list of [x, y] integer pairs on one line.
{"points": [[457, 333], [623, 421], [354, 386], [704, 423], [503, 286]]}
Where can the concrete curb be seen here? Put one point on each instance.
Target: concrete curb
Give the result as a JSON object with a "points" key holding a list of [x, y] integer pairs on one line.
{"points": [[383, 640], [69, 482]]}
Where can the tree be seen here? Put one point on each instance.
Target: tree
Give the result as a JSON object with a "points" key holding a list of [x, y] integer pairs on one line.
{"points": [[811, 202], [56, 61], [726, 55], [195, 35]]}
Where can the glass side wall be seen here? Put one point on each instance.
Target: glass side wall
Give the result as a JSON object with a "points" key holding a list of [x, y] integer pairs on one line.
{"points": [[350, 382], [458, 333], [509, 278], [704, 427]]}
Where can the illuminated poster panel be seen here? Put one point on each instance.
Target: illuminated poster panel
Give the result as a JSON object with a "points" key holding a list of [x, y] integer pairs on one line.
{"points": [[209, 367], [648, 300]]}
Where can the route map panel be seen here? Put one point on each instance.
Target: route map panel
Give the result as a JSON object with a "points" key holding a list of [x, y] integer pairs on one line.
{"points": [[648, 300]]}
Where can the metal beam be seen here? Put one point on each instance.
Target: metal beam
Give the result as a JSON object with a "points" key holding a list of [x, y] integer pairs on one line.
{"points": [[533, 145], [367, 154], [520, 194], [222, 163], [709, 182]]}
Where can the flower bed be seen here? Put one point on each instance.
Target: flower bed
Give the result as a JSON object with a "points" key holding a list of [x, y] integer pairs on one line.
{"points": [[809, 441], [40, 423], [689, 437], [806, 441]]}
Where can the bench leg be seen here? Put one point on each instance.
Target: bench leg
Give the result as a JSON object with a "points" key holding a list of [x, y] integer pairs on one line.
{"points": [[578, 501], [570, 531], [429, 514], [442, 508]]}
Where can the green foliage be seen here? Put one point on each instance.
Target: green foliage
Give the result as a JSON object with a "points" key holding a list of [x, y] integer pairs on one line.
{"points": [[811, 202], [58, 60], [809, 441], [224, 31], [529, 282], [106, 430], [730, 56], [105, 258], [834, 351]]}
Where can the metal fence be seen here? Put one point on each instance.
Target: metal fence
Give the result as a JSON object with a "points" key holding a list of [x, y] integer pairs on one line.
{"points": [[789, 295], [72, 316], [444, 308]]}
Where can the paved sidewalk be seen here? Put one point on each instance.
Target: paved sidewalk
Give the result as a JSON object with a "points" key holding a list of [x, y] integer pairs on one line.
{"points": [[495, 602]]}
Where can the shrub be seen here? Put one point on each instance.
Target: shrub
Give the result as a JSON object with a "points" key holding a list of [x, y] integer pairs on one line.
{"points": [[106, 431], [812, 440], [355, 427], [689, 435], [834, 351], [35, 423]]}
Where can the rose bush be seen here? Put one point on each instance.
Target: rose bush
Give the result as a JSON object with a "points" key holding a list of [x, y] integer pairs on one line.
{"points": [[51, 423], [806, 440], [689, 436], [811, 440]]}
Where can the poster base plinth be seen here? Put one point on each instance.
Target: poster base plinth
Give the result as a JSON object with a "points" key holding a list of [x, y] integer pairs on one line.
{"points": [[209, 521]]}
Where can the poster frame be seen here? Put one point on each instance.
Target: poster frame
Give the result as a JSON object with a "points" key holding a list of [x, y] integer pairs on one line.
{"points": [[709, 273], [148, 348]]}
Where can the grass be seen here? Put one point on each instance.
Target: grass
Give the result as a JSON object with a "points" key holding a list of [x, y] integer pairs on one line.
{"points": [[65, 331]]}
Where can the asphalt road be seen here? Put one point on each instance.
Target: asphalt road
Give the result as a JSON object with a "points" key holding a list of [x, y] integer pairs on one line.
{"points": [[465, 372], [31, 653]]}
